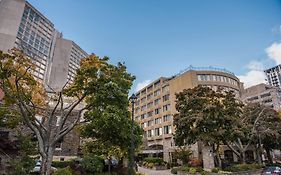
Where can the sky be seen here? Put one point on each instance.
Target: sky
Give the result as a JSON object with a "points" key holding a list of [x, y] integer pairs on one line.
{"points": [[157, 38]]}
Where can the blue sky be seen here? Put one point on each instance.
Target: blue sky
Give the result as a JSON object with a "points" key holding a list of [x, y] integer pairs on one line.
{"points": [[162, 37]]}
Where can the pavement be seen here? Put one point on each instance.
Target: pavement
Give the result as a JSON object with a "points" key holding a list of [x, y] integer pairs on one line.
{"points": [[154, 172]]}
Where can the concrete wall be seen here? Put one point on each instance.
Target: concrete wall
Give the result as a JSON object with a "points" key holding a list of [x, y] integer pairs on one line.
{"points": [[59, 68], [11, 14]]}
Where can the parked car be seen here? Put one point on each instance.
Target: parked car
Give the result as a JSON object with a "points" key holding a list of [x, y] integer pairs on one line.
{"points": [[36, 169], [271, 170]]}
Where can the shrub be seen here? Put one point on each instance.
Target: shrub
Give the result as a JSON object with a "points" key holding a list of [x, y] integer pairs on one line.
{"points": [[61, 164], [63, 171], [155, 160], [192, 170], [185, 168], [92, 163], [215, 170], [243, 167], [195, 162], [199, 169], [150, 165], [174, 170]]}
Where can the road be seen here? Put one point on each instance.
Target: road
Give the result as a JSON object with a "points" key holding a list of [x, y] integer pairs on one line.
{"points": [[154, 172]]}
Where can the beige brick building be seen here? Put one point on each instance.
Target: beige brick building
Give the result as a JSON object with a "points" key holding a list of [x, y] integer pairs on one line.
{"points": [[155, 106]]}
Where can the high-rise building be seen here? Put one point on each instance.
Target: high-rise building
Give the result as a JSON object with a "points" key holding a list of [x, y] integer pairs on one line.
{"points": [[274, 76], [56, 59], [63, 64], [24, 27], [267, 95], [155, 106]]}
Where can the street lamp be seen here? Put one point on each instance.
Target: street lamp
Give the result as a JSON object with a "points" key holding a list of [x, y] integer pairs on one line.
{"points": [[132, 99]]}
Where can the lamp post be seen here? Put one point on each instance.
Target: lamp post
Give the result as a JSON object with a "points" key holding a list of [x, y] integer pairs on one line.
{"points": [[132, 99]]}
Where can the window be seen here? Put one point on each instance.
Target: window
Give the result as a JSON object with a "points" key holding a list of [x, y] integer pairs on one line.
{"points": [[149, 104], [157, 120], [168, 129], [253, 98], [157, 111], [143, 99], [166, 97], [167, 118], [157, 84], [157, 92], [166, 107], [143, 107], [143, 116], [149, 133], [158, 131], [157, 101], [150, 123], [149, 88], [165, 88], [143, 92], [150, 113], [149, 96], [265, 95]]}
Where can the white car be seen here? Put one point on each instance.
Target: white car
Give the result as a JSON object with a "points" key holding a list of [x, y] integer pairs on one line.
{"points": [[37, 167]]}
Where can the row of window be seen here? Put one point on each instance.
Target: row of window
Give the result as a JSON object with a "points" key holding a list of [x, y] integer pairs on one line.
{"points": [[157, 101], [165, 118], [151, 104], [261, 96], [220, 78], [165, 108], [165, 88], [158, 131]]}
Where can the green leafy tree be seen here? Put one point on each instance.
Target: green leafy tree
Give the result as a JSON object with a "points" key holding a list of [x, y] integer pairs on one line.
{"points": [[184, 154], [97, 82], [205, 115]]}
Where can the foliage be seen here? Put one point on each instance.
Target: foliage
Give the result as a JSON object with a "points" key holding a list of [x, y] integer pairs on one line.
{"points": [[243, 167], [63, 171], [175, 170], [215, 170], [92, 163], [23, 163], [154, 160], [103, 87], [61, 164], [183, 153], [205, 115]]}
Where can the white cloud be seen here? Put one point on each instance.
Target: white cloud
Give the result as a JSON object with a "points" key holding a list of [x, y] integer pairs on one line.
{"points": [[274, 52], [142, 85], [254, 76]]}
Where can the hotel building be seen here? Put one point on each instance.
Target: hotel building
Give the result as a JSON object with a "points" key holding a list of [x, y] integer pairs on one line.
{"points": [[155, 106]]}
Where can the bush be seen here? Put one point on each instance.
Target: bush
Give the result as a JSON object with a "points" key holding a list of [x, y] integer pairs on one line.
{"points": [[199, 169], [63, 171], [215, 170], [243, 167], [61, 164], [195, 162], [174, 170], [192, 170], [150, 165], [185, 168], [92, 163], [155, 160]]}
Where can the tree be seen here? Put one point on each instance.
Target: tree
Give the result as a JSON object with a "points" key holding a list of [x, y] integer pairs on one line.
{"points": [[47, 113], [183, 153], [205, 115]]}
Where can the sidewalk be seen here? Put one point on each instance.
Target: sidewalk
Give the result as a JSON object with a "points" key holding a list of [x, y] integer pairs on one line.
{"points": [[154, 172]]}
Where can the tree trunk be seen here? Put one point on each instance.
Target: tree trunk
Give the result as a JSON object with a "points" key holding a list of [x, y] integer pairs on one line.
{"points": [[269, 156], [243, 157], [258, 155], [47, 162]]}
